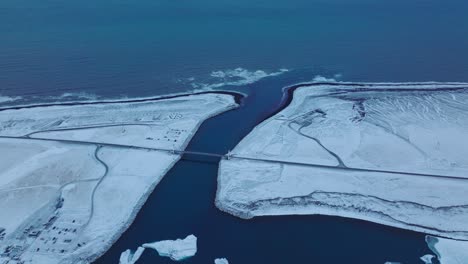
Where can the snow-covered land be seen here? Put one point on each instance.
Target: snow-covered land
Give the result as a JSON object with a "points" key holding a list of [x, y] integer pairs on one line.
{"points": [[448, 251], [72, 178], [395, 154], [177, 250]]}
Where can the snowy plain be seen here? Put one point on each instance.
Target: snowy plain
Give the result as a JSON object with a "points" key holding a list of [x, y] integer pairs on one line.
{"points": [[74, 177]]}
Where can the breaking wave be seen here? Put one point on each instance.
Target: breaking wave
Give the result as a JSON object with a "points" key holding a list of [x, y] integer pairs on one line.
{"points": [[9, 99], [80, 95], [234, 77], [320, 78]]}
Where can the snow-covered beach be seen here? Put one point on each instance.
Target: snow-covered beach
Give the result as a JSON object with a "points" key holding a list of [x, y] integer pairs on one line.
{"points": [[74, 177]]}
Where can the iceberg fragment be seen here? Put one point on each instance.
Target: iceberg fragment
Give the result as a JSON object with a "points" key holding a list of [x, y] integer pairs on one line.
{"points": [[221, 261], [448, 251], [129, 257], [427, 259], [177, 250]]}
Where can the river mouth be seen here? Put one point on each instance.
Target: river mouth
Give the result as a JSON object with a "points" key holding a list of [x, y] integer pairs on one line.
{"points": [[183, 204]]}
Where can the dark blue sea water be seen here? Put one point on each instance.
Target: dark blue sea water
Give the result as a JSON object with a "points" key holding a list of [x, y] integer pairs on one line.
{"points": [[54, 50], [147, 47]]}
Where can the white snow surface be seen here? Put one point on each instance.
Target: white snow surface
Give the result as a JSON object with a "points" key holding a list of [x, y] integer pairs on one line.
{"points": [[129, 257], [177, 250], [72, 178], [390, 153], [221, 261]]}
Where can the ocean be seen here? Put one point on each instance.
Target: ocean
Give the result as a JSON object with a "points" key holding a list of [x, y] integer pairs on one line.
{"points": [[64, 50], [55, 50]]}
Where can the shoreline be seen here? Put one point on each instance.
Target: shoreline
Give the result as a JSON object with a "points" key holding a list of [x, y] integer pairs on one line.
{"points": [[238, 97], [288, 91], [149, 191], [288, 96], [227, 101]]}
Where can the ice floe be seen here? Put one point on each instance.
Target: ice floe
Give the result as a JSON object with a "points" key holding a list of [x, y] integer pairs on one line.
{"points": [[448, 251], [177, 250], [129, 257], [390, 153], [221, 261], [427, 259]]}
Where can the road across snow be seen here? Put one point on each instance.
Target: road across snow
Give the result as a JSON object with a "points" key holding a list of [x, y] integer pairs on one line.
{"points": [[67, 202], [358, 135]]}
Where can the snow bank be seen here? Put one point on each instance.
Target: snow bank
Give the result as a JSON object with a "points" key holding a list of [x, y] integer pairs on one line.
{"points": [[177, 250]]}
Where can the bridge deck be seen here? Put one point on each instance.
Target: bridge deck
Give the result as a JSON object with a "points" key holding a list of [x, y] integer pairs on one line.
{"points": [[233, 156]]}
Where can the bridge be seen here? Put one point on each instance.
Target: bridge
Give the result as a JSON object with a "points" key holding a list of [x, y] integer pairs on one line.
{"points": [[231, 156]]}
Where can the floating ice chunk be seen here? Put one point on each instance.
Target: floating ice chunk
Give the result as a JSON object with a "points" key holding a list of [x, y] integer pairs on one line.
{"points": [[177, 250], [129, 257], [221, 261], [448, 251], [427, 259], [391, 262]]}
